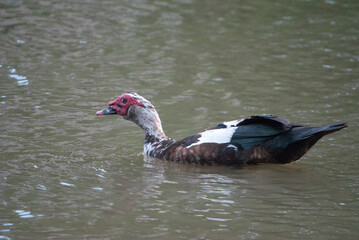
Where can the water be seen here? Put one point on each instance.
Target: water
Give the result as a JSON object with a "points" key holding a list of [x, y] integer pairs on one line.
{"points": [[68, 174]]}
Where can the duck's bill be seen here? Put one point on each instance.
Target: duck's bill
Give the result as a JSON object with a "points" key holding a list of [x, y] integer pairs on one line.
{"points": [[107, 111]]}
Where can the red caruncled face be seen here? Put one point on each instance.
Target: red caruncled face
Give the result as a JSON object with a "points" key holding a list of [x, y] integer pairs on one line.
{"points": [[122, 103]]}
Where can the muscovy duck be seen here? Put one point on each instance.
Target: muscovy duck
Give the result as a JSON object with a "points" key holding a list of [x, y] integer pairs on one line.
{"points": [[256, 139]]}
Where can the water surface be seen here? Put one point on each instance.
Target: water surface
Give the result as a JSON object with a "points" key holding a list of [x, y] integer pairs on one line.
{"points": [[68, 174]]}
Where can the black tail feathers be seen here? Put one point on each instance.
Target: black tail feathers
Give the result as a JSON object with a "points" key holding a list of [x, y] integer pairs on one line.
{"points": [[295, 143], [334, 127]]}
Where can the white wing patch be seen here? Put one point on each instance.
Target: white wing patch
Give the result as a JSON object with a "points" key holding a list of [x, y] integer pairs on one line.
{"points": [[232, 123], [221, 135]]}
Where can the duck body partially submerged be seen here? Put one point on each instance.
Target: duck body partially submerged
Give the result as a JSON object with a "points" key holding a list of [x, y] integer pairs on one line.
{"points": [[252, 140]]}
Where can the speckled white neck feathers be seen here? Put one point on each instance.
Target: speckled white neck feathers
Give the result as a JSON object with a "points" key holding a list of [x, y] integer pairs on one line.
{"points": [[147, 118]]}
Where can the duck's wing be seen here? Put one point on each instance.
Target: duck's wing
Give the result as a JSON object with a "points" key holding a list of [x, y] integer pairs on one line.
{"points": [[244, 133], [256, 130]]}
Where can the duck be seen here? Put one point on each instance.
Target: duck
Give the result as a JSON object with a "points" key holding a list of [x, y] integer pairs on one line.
{"points": [[252, 140]]}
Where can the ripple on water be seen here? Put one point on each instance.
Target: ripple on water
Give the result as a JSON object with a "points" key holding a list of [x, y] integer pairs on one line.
{"points": [[4, 237], [24, 213], [67, 184], [219, 219], [21, 80], [41, 187]]}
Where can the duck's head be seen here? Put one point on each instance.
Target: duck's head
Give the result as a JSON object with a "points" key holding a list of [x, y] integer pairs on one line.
{"points": [[123, 103], [137, 109]]}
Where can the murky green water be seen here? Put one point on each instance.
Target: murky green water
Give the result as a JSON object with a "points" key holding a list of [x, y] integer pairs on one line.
{"points": [[68, 174]]}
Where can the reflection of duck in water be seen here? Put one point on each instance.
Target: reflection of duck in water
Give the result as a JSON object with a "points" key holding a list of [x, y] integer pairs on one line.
{"points": [[256, 139]]}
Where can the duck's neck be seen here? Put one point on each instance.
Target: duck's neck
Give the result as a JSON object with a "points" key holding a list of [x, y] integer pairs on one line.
{"points": [[148, 119]]}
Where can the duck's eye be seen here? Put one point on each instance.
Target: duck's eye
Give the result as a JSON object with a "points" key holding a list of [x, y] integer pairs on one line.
{"points": [[124, 100]]}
